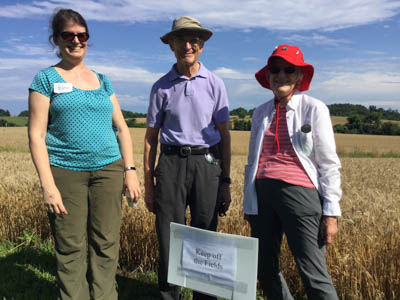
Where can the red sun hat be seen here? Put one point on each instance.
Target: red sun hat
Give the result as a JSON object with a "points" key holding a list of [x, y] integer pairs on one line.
{"points": [[293, 55]]}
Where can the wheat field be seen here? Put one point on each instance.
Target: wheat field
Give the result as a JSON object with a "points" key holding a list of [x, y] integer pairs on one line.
{"points": [[364, 260]]}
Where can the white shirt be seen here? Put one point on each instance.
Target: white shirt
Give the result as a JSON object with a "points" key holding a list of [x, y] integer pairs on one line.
{"points": [[316, 150]]}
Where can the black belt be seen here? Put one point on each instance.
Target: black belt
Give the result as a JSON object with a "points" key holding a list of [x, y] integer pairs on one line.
{"points": [[185, 151]]}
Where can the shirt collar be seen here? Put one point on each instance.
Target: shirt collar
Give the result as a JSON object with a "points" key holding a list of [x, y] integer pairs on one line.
{"points": [[294, 101], [173, 74]]}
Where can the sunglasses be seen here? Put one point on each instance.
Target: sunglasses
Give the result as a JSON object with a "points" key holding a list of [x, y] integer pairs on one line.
{"points": [[277, 70], [70, 36], [193, 42]]}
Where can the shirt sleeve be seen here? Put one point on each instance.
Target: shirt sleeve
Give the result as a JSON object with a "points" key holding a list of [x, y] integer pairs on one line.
{"points": [[155, 113], [221, 112], [42, 84], [328, 163], [107, 84]]}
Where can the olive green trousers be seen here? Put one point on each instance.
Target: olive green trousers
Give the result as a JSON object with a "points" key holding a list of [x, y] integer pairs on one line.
{"points": [[87, 238]]}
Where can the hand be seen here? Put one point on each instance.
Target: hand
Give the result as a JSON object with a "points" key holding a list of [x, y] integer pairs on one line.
{"points": [[53, 202], [132, 186], [329, 228], [224, 197], [150, 197]]}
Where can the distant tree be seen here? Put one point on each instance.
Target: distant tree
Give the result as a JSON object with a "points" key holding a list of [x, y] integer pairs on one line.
{"points": [[339, 128], [354, 122], [347, 109], [240, 124], [4, 123], [390, 128], [4, 113], [251, 112], [240, 112], [371, 123], [128, 114], [132, 123], [24, 113]]}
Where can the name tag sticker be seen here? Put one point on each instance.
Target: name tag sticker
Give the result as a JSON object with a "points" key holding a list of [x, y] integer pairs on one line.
{"points": [[62, 87]]}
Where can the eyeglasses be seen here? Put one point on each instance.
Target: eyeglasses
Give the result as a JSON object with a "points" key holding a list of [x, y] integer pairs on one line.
{"points": [[277, 70], [194, 42], [70, 36]]}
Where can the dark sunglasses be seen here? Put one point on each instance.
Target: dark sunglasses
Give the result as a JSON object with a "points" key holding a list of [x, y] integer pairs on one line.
{"points": [[277, 70], [194, 42], [70, 36]]}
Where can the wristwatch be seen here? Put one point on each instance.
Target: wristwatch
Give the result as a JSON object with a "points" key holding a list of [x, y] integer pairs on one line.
{"points": [[130, 168], [226, 180]]}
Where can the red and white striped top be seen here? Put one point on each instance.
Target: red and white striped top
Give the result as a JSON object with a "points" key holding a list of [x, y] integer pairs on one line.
{"points": [[278, 160]]}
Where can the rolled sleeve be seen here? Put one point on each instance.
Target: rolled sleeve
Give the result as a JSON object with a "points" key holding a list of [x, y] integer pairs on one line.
{"points": [[155, 112]]}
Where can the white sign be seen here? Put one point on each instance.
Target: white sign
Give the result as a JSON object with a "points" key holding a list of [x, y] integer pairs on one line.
{"points": [[213, 263], [62, 87], [209, 258]]}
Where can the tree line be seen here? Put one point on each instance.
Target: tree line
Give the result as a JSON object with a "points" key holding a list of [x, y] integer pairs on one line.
{"points": [[360, 119]]}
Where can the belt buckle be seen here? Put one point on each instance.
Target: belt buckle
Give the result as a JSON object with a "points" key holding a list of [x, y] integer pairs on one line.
{"points": [[185, 151]]}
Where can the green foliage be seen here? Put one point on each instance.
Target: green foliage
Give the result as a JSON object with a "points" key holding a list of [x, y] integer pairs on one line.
{"points": [[240, 112], [371, 123], [5, 123], [24, 113], [13, 121], [240, 124], [4, 113], [30, 238], [128, 114], [345, 110], [132, 123]]}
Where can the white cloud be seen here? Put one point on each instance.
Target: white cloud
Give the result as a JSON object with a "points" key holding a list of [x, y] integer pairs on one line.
{"points": [[363, 83], [227, 73], [129, 100], [269, 14], [24, 63], [252, 59], [27, 50], [369, 88], [133, 74], [316, 39]]}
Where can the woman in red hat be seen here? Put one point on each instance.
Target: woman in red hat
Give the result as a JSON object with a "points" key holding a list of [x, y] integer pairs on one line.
{"points": [[292, 179]]}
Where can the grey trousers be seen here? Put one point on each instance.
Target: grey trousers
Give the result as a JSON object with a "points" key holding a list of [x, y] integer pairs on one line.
{"points": [[181, 182], [93, 202], [297, 212]]}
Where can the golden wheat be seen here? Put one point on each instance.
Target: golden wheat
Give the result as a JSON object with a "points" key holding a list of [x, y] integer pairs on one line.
{"points": [[364, 260]]}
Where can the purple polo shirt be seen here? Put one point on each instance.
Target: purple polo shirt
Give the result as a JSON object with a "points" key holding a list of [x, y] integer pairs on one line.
{"points": [[187, 109]]}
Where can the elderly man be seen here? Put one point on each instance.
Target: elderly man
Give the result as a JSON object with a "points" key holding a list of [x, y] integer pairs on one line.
{"points": [[189, 108]]}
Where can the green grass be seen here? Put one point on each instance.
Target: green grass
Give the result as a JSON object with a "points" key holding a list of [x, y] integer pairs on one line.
{"points": [[362, 154], [28, 272], [19, 121]]}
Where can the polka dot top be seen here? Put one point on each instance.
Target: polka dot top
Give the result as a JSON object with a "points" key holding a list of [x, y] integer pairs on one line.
{"points": [[80, 135]]}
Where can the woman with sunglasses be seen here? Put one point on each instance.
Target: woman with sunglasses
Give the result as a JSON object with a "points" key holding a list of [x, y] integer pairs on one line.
{"points": [[292, 180], [77, 154]]}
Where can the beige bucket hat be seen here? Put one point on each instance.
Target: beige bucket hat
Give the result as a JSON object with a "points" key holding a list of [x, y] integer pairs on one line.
{"points": [[187, 24]]}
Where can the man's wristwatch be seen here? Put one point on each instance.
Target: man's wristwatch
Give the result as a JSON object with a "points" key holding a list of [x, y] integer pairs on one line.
{"points": [[226, 180], [130, 168]]}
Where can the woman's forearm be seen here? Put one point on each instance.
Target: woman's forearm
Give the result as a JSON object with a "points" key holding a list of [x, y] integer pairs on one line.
{"points": [[41, 161]]}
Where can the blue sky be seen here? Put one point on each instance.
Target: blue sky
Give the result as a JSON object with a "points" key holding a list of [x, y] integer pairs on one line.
{"points": [[353, 45]]}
